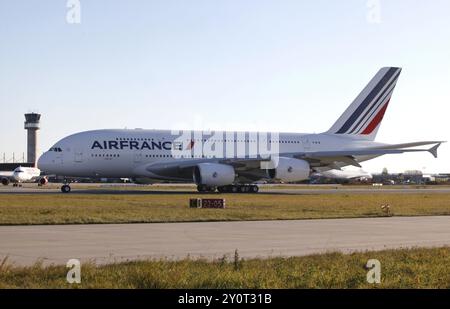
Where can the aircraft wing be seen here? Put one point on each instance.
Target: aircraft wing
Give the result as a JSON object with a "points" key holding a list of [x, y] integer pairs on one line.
{"points": [[407, 145], [317, 159], [337, 159], [7, 174]]}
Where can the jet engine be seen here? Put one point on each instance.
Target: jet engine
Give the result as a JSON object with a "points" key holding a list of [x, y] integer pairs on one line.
{"points": [[5, 181], [213, 174], [43, 181], [289, 169]]}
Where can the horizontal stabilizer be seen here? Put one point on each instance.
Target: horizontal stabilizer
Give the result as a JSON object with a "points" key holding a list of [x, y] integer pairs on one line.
{"points": [[433, 150]]}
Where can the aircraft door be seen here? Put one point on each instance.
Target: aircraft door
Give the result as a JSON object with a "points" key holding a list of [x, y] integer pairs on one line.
{"points": [[137, 157], [306, 143], [78, 155], [59, 158]]}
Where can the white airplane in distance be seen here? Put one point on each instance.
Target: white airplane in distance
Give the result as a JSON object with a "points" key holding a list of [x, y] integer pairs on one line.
{"points": [[233, 161], [22, 174], [346, 173]]}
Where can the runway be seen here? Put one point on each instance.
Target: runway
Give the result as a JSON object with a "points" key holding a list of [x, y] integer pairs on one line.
{"points": [[56, 244], [190, 189]]}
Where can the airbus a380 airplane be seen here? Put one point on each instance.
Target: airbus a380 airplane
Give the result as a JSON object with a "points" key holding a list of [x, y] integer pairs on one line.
{"points": [[233, 161]]}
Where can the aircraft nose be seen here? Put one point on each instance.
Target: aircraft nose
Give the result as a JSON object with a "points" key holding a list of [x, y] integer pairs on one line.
{"points": [[43, 162], [16, 176]]}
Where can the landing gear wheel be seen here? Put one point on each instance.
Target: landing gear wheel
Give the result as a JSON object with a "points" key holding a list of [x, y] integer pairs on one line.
{"points": [[239, 189], [243, 189], [205, 188], [65, 188]]}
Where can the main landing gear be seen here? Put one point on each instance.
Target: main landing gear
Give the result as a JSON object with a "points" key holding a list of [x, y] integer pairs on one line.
{"points": [[65, 188], [229, 189], [205, 188]]}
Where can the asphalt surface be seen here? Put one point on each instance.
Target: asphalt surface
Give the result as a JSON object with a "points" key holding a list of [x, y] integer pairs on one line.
{"points": [[56, 244], [190, 189]]}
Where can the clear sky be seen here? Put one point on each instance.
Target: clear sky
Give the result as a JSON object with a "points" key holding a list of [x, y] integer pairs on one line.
{"points": [[224, 64]]}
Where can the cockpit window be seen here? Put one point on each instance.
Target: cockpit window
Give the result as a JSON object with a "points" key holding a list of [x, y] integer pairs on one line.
{"points": [[56, 149]]}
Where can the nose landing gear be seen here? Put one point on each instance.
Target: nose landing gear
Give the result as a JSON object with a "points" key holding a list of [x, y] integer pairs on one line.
{"points": [[65, 188]]}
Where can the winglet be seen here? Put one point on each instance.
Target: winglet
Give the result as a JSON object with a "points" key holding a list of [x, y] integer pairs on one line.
{"points": [[433, 150]]}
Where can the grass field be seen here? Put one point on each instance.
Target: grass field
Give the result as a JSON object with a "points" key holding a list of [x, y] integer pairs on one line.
{"points": [[160, 207], [406, 268]]}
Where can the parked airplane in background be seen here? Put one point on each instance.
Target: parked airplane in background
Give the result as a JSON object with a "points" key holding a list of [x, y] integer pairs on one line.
{"points": [[233, 161], [346, 173], [21, 175]]}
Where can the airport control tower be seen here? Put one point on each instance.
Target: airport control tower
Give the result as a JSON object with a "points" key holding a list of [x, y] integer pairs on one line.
{"points": [[32, 126]]}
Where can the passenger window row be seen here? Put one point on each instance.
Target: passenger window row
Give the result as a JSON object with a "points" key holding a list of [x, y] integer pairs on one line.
{"points": [[105, 155]]}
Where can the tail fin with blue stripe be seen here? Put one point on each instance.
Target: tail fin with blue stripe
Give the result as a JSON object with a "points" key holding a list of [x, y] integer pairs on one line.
{"points": [[363, 117]]}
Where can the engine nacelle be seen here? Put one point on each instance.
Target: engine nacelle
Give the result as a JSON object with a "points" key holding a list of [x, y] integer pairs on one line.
{"points": [[43, 181], [289, 169], [214, 174], [5, 181]]}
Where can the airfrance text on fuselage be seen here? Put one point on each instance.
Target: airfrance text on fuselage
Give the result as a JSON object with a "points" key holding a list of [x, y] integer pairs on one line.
{"points": [[167, 145]]}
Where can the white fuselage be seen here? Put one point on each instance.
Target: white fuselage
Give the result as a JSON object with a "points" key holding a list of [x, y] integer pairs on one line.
{"points": [[129, 153], [25, 174], [346, 173]]}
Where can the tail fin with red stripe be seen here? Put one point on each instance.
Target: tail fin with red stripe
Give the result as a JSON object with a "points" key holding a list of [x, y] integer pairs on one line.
{"points": [[363, 117]]}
